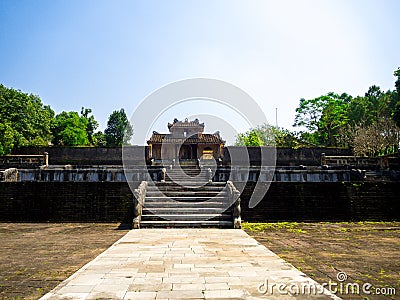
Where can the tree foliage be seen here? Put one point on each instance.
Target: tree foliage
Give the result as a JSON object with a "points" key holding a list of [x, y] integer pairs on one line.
{"points": [[91, 124], [99, 139], [368, 123], [24, 120], [323, 116], [396, 113], [6, 138], [69, 129], [267, 135], [119, 130]]}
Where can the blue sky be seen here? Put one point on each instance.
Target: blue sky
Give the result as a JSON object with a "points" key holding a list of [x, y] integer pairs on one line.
{"points": [[108, 55]]}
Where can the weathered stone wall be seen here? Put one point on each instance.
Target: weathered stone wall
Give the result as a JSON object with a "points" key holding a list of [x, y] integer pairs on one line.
{"points": [[10, 175], [21, 161], [65, 202], [284, 201], [87, 155], [289, 156], [113, 156], [324, 201]]}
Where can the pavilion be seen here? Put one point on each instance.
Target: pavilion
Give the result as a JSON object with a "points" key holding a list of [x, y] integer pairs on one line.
{"points": [[186, 141]]}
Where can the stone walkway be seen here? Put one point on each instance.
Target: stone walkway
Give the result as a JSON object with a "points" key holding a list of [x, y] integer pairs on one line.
{"points": [[187, 264]]}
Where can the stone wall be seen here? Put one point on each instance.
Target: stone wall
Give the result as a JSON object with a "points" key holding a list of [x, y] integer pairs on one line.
{"points": [[65, 202], [113, 156], [289, 156], [9, 175], [21, 161], [87, 155], [324, 201], [284, 201]]}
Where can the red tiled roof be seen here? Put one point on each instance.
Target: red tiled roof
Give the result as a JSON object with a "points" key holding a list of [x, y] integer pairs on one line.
{"points": [[205, 138]]}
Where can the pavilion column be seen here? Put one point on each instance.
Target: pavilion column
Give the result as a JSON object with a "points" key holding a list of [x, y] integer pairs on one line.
{"points": [[151, 150]]}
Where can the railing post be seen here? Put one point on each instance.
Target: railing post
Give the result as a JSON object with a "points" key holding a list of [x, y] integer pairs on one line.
{"points": [[209, 175], [46, 159], [138, 201], [163, 174], [323, 159], [234, 198]]}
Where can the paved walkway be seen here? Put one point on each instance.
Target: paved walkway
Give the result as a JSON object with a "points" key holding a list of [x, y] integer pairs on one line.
{"points": [[186, 264]]}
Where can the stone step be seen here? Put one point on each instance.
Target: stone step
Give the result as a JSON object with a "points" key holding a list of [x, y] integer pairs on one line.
{"points": [[184, 179], [185, 171], [186, 189], [186, 203], [185, 176], [184, 210], [177, 204], [208, 194], [184, 199], [202, 184], [187, 224], [186, 217]]}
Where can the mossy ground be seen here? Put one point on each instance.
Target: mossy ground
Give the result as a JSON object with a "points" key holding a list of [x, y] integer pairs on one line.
{"points": [[368, 252], [35, 258]]}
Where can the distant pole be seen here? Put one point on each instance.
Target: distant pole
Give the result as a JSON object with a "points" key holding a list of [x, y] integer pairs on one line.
{"points": [[276, 117]]}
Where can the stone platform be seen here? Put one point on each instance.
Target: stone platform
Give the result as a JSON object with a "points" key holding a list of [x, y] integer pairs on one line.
{"points": [[187, 264]]}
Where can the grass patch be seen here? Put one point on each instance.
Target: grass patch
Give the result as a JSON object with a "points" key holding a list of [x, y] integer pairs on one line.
{"points": [[366, 251]]}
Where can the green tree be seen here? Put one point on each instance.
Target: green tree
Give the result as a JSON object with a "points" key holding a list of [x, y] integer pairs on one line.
{"points": [[24, 120], [358, 111], [249, 138], [267, 135], [69, 129], [323, 117], [359, 123], [396, 95], [91, 124], [99, 139], [6, 138], [119, 130]]}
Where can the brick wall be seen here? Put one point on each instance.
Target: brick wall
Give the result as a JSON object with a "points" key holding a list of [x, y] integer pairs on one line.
{"points": [[324, 201], [65, 201], [284, 201]]}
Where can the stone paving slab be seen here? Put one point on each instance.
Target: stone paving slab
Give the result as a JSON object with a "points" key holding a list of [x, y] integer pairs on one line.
{"points": [[188, 264]]}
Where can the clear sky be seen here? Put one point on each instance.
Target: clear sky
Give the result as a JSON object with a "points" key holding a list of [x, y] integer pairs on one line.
{"points": [[108, 55]]}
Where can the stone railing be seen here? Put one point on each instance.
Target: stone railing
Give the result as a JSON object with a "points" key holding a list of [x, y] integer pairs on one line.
{"points": [[138, 201], [25, 160], [234, 198], [355, 161], [280, 174], [9, 175]]}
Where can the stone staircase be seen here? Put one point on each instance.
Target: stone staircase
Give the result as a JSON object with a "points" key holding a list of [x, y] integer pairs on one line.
{"points": [[186, 199]]}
